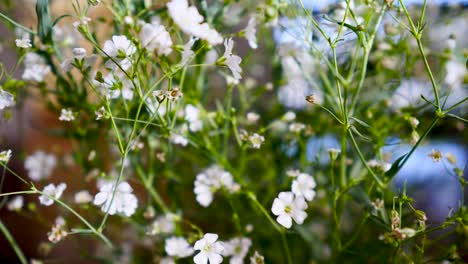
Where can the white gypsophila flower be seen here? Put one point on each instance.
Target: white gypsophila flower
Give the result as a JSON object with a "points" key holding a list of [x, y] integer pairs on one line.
{"points": [[409, 93], [192, 116], [179, 139], [117, 85], [24, 43], [57, 233], [210, 250], [178, 247], [40, 165], [380, 165], [124, 200], [252, 117], [5, 156], [35, 67], [65, 36], [83, 21], [174, 94], [51, 193], [250, 33], [6, 99], [256, 258], [292, 94], [167, 260], [293, 173], [120, 48], [288, 207], [100, 113], [187, 52], [66, 115], [163, 224], [155, 37], [83, 197], [79, 60], [296, 127], [16, 203], [191, 22], [209, 181], [455, 75], [304, 185], [256, 140], [289, 116], [230, 60], [237, 248]]}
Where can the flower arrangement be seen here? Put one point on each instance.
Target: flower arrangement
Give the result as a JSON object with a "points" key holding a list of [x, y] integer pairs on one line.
{"points": [[192, 128]]}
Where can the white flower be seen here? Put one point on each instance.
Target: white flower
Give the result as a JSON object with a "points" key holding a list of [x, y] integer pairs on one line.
{"points": [[35, 67], [230, 60], [178, 247], [187, 52], [190, 21], [256, 140], [179, 139], [117, 85], [83, 197], [237, 248], [250, 32], [66, 115], [5, 156], [124, 200], [79, 60], [120, 49], [289, 116], [192, 115], [296, 127], [304, 185], [40, 165], [57, 233], [162, 225], [82, 22], [256, 258], [51, 193], [210, 250], [252, 117], [6, 99], [24, 43], [167, 260], [287, 207], [408, 94], [211, 180], [155, 37], [16, 203], [100, 113], [456, 72], [380, 165], [293, 173]]}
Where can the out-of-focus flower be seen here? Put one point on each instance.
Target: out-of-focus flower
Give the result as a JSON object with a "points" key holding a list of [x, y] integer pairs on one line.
{"points": [[237, 248], [83, 197], [66, 115], [230, 60], [51, 193], [250, 32], [179, 139], [155, 37], [124, 201], [163, 224], [304, 185], [256, 140], [210, 250], [192, 115], [120, 48], [6, 99], [40, 165], [57, 233], [287, 207], [178, 247], [16, 203], [211, 180], [436, 155], [79, 60], [24, 43], [256, 258], [5, 156], [35, 68]]}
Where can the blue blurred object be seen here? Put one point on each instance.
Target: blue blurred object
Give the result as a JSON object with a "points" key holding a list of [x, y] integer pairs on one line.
{"points": [[318, 5]]}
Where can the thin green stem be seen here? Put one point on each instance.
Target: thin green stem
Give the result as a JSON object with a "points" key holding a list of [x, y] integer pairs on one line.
{"points": [[13, 243], [16, 24]]}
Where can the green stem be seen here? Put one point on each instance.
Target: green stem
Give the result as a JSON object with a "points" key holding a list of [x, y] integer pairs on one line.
{"points": [[13, 243], [16, 24]]}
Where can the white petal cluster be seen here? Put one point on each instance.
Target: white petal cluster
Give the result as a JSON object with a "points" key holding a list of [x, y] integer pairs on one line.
{"points": [[192, 116], [24, 43], [5, 156], [287, 207], [16, 203], [187, 52], [304, 185], [124, 200], [83, 197], [210, 250], [58, 232], [6, 99], [211, 180], [66, 115], [179, 139], [40, 165], [51, 193], [256, 140], [237, 249], [35, 68], [116, 85], [79, 59], [250, 33], [230, 60], [154, 37], [163, 224], [120, 48], [191, 22], [178, 247]]}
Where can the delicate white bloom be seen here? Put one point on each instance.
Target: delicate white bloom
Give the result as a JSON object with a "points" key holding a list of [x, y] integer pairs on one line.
{"points": [[83, 197], [381, 165], [296, 127], [456, 72], [187, 52], [174, 94], [256, 140], [35, 67], [100, 113], [179, 139], [79, 59], [24, 43], [237, 248], [250, 33], [6, 99], [124, 200], [5, 156], [117, 85], [408, 94], [289, 116], [16, 203], [120, 48], [293, 173], [192, 116], [190, 21], [178, 247], [211, 180], [230, 60], [82, 22], [128, 20], [167, 260], [51, 193], [66, 115], [210, 250], [252, 117], [163, 224], [304, 185], [40, 165], [58, 232], [155, 37], [256, 258], [287, 207]]}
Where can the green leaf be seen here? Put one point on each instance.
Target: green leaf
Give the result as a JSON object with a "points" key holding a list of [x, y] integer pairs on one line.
{"points": [[362, 123], [44, 24], [396, 166]]}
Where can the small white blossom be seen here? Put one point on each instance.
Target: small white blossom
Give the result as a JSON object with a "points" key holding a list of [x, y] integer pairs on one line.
{"points": [[178, 247], [252, 117], [293, 173], [6, 99], [167, 260], [211, 180], [163, 224], [82, 22], [179, 139], [100, 113], [16, 203], [174, 94], [304, 185], [35, 67], [256, 140], [5, 156], [256, 258], [51, 193], [192, 116], [24, 43], [287, 207], [380, 165], [187, 52], [191, 22], [230, 60], [79, 59], [289, 116], [40, 165], [296, 127], [66, 115], [250, 32], [57, 233], [210, 250], [124, 200], [83, 197], [120, 48], [237, 248], [155, 37]]}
